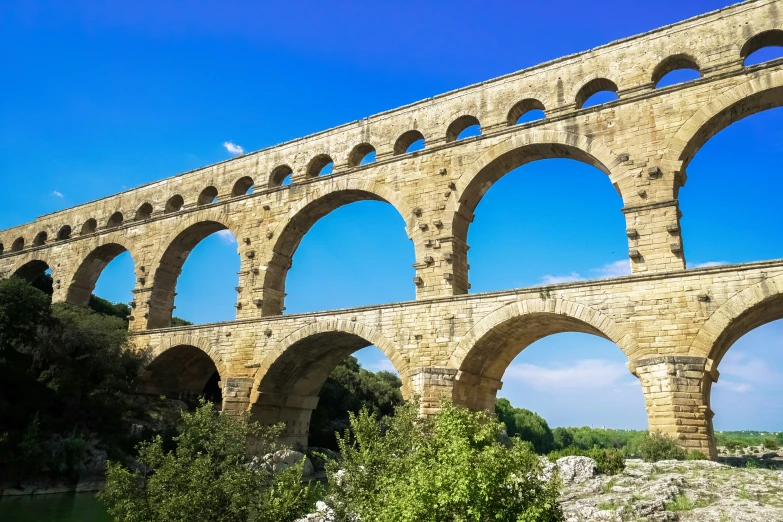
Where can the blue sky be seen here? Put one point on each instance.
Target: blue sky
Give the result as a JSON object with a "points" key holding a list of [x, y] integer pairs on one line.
{"points": [[101, 96]]}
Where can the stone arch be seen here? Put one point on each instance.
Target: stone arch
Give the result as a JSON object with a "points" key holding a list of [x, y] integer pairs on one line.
{"points": [[358, 153], [459, 125], [322, 200], [171, 256], [18, 244], [64, 233], [592, 87], [316, 165], [40, 238], [241, 186], [674, 62], [519, 150], [278, 175], [768, 38], [521, 108], [174, 204], [757, 94], [180, 364], [407, 139], [207, 196], [85, 273], [487, 349], [31, 269], [290, 377], [115, 220], [89, 226], [143, 212], [746, 310]]}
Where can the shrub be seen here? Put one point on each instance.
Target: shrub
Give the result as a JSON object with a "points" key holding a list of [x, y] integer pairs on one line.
{"points": [[771, 443], [657, 446], [608, 461], [734, 444], [695, 455], [207, 477], [449, 466], [526, 425], [563, 438]]}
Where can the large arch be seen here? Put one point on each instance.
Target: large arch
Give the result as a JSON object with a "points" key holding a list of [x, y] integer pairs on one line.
{"points": [[172, 256], [487, 349], [301, 218], [81, 283], [759, 93], [290, 377], [31, 270], [181, 365], [750, 308]]}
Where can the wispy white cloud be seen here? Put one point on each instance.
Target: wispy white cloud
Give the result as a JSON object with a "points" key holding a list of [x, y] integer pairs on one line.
{"points": [[616, 269], [557, 279], [709, 264], [736, 387], [233, 148], [748, 369], [583, 374], [227, 237], [613, 269], [57, 194], [382, 365]]}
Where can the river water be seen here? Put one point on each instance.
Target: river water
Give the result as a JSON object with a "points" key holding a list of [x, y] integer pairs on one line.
{"points": [[66, 507]]}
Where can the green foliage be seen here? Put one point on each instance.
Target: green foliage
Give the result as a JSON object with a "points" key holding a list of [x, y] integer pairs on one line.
{"points": [[695, 455], [751, 463], [562, 437], [347, 390], [586, 437], [734, 444], [742, 439], [526, 425], [207, 476], [64, 371], [608, 461], [657, 446], [771, 443], [449, 466]]}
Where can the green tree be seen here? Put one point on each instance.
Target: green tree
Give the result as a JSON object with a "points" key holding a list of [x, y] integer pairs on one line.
{"points": [[447, 467], [562, 437], [208, 476], [526, 425], [349, 388]]}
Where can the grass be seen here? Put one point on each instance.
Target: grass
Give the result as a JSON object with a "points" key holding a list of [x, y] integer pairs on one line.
{"points": [[684, 503]]}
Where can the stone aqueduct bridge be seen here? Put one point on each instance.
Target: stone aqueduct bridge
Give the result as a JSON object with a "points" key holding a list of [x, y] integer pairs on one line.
{"points": [[674, 325]]}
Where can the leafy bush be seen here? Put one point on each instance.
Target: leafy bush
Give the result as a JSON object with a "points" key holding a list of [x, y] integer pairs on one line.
{"points": [[734, 444], [695, 455], [349, 388], [526, 425], [770, 443], [608, 461], [207, 477], [562, 437], [449, 466], [657, 446]]}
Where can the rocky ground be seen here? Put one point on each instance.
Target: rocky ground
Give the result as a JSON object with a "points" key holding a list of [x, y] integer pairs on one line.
{"points": [[701, 491]]}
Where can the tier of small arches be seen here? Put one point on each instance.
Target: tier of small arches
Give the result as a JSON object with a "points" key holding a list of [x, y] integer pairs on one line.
{"points": [[409, 141]]}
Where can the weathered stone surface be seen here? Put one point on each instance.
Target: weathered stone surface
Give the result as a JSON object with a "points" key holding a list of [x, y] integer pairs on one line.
{"points": [[673, 325]]}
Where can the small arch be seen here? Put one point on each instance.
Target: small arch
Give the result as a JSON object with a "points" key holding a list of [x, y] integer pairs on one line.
{"points": [[89, 226], [64, 233], [174, 204], [33, 271], [207, 196], [298, 366], [183, 371], [40, 238], [144, 212], [521, 109], [280, 175], [17, 245], [242, 186], [763, 40], [115, 220], [2, 249], [672, 64], [593, 87], [360, 153], [404, 142], [458, 126], [319, 166], [82, 284]]}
